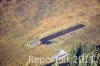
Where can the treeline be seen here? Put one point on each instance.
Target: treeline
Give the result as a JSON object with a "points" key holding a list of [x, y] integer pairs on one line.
{"points": [[82, 55], [85, 55]]}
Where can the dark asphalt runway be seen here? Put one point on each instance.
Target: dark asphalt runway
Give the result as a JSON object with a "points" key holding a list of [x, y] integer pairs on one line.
{"points": [[46, 41]]}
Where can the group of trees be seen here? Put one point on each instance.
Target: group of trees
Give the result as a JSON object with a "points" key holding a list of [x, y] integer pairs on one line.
{"points": [[83, 55]]}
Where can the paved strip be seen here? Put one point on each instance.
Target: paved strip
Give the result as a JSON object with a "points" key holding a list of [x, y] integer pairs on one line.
{"points": [[46, 41]]}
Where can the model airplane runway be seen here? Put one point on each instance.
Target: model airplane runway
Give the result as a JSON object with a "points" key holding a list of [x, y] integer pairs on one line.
{"points": [[45, 40]]}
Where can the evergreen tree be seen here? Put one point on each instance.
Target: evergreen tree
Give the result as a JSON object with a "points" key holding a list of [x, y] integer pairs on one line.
{"points": [[56, 63]]}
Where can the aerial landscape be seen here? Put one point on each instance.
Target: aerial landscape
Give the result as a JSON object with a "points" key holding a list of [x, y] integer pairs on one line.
{"points": [[49, 32]]}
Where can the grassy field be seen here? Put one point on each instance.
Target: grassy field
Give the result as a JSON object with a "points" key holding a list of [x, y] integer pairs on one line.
{"points": [[26, 21]]}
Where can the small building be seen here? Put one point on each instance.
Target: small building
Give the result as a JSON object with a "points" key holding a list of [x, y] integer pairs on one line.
{"points": [[62, 54]]}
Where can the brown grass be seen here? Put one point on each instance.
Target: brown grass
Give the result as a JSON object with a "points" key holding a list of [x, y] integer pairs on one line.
{"points": [[14, 33]]}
